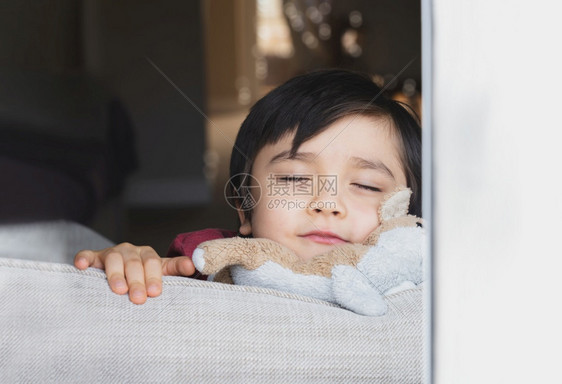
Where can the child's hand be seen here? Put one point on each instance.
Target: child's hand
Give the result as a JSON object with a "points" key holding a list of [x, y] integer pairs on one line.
{"points": [[136, 269]]}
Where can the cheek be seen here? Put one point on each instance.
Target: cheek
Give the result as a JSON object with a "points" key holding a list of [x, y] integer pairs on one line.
{"points": [[268, 222], [366, 220]]}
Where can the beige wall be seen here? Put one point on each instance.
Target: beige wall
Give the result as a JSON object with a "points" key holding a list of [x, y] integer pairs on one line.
{"points": [[229, 40]]}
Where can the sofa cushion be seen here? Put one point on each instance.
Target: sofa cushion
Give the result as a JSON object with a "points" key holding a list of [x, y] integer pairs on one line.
{"points": [[59, 324]]}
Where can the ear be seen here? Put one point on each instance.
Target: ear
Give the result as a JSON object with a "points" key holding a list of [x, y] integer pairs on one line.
{"points": [[245, 224]]}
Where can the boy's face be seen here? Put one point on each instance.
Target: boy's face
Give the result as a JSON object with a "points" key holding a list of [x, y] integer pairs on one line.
{"points": [[330, 193]]}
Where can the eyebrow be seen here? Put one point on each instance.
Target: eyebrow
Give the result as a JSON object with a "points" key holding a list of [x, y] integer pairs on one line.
{"points": [[286, 155], [377, 165], [358, 162]]}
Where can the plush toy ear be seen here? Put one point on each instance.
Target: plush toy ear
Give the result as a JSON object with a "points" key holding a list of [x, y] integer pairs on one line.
{"points": [[395, 204]]}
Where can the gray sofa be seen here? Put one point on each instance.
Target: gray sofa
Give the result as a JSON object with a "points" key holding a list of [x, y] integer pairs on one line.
{"points": [[59, 324]]}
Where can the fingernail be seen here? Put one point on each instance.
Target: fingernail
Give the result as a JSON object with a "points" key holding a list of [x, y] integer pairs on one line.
{"points": [[137, 294], [152, 288], [120, 284]]}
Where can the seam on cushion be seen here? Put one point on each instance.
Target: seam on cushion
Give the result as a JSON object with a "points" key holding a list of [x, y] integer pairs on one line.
{"points": [[178, 281], [49, 267], [166, 281]]}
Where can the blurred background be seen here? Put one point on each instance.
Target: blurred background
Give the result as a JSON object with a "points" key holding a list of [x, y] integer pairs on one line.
{"points": [[122, 115]]}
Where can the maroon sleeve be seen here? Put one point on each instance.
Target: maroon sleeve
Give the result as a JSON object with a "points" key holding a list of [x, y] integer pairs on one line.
{"points": [[185, 243]]}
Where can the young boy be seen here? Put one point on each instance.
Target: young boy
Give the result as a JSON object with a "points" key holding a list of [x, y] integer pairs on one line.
{"points": [[322, 150]]}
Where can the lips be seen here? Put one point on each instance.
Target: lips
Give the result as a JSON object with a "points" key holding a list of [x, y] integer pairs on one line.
{"points": [[324, 237]]}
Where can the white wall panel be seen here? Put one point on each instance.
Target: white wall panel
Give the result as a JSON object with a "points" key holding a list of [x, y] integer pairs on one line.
{"points": [[497, 205]]}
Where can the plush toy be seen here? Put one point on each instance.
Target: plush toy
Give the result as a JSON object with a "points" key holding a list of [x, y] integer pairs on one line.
{"points": [[355, 276]]}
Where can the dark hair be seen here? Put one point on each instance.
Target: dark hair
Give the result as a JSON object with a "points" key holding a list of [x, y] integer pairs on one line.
{"points": [[308, 104]]}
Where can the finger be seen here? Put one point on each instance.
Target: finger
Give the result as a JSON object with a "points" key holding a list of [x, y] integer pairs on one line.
{"points": [[89, 258], [178, 266], [134, 273], [114, 269], [152, 271], [84, 259]]}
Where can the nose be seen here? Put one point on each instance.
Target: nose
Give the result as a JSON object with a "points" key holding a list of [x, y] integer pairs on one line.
{"points": [[327, 202], [325, 208]]}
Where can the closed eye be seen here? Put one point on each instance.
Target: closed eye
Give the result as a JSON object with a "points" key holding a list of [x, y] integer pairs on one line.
{"points": [[294, 179], [367, 187]]}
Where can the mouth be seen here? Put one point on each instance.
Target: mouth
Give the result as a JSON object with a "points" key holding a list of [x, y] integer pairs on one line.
{"points": [[324, 237]]}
